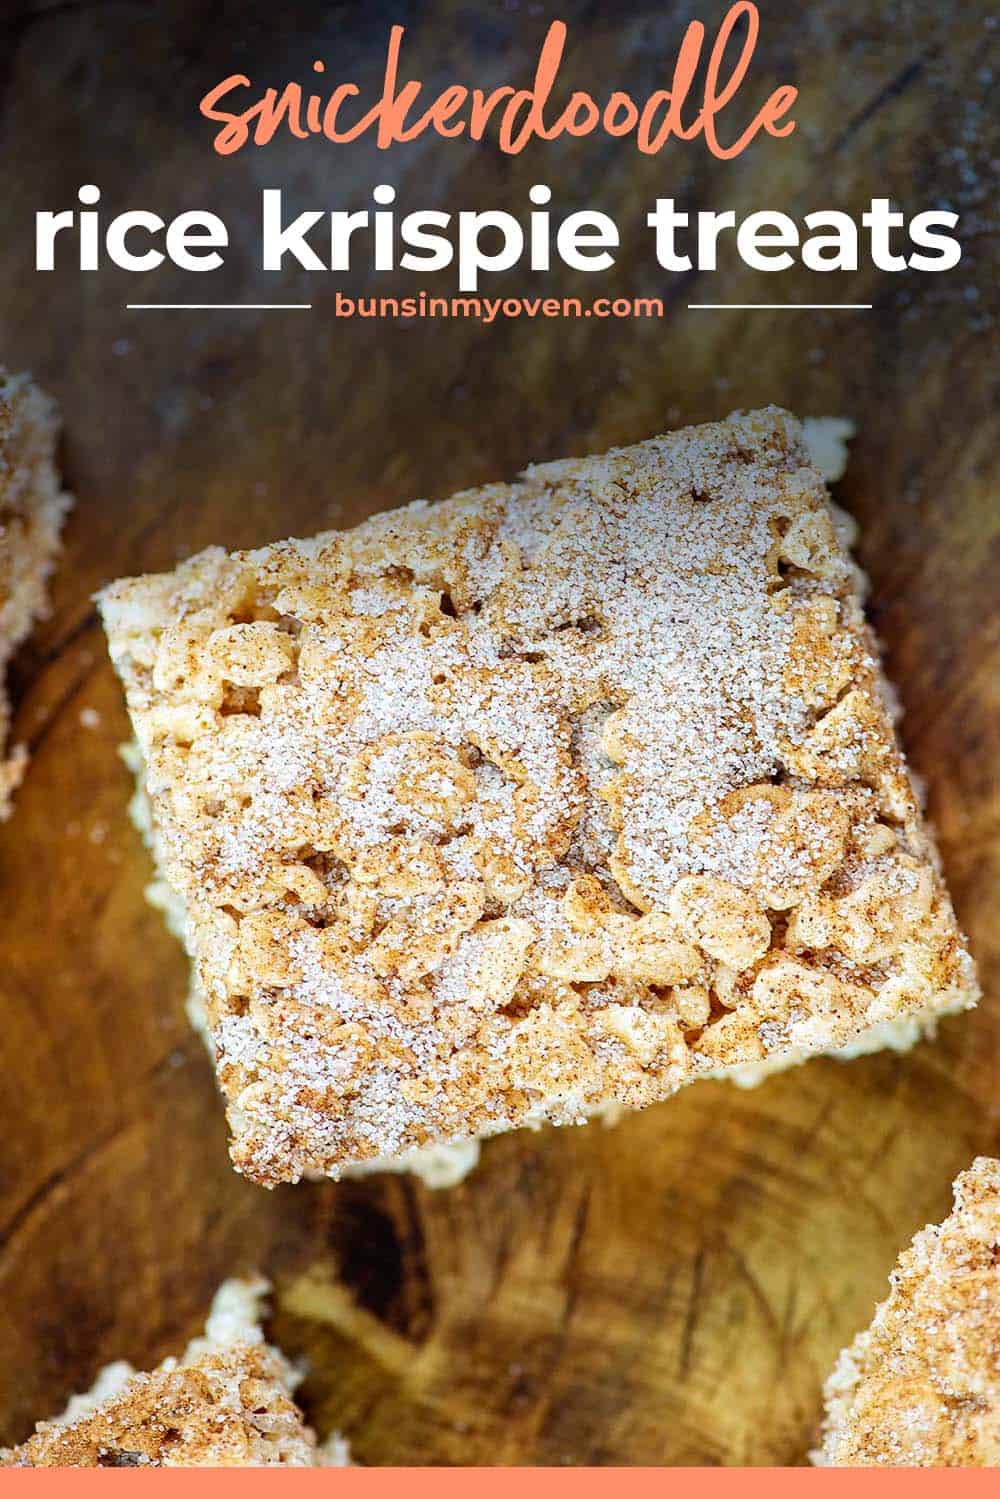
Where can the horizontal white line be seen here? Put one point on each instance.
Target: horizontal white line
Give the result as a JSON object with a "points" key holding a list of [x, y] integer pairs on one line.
{"points": [[215, 306], [781, 306]]}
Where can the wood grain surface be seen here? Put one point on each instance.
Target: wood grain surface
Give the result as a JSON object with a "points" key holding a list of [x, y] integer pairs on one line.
{"points": [[672, 1291]]}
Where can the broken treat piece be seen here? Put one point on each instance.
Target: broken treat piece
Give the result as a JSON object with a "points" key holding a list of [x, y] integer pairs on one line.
{"points": [[549, 797], [226, 1403], [921, 1387], [32, 506]]}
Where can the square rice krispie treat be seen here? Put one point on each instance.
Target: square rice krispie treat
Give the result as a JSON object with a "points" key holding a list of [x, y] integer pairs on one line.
{"points": [[548, 798], [32, 506], [921, 1387], [225, 1403]]}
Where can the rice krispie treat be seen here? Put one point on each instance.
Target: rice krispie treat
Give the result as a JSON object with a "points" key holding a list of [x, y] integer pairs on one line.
{"points": [[227, 1402], [32, 506], [546, 798], [921, 1387]]}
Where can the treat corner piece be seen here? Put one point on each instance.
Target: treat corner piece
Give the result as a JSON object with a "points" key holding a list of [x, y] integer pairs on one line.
{"points": [[548, 798], [226, 1402], [920, 1387], [33, 505]]}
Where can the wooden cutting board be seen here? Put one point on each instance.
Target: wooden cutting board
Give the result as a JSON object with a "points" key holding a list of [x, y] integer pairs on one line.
{"points": [[671, 1291]]}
